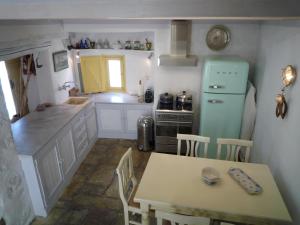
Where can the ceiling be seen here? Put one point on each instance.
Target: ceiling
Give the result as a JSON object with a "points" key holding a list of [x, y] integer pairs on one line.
{"points": [[149, 9]]}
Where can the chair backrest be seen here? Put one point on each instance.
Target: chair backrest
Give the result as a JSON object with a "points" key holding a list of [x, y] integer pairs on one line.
{"points": [[192, 144], [126, 178], [177, 219], [234, 147]]}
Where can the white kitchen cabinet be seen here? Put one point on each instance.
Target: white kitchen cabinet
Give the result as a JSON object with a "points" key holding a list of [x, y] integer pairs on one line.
{"points": [[120, 120], [91, 124], [132, 113], [66, 150], [110, 120], [49, 172]]}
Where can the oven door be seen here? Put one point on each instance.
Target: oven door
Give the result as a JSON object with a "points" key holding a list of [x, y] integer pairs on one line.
{"points": [[165, 140], [168, 129], [166, 136]]}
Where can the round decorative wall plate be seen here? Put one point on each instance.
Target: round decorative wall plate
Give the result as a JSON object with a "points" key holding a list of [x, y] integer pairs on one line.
{"points": [[218, 37]]}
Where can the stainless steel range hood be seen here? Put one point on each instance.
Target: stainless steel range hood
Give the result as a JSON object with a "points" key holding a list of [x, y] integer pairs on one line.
{"points": [[180, 45]]}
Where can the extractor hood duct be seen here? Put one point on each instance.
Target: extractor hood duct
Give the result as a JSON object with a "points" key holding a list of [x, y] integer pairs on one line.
{"points": [[180, 45]]}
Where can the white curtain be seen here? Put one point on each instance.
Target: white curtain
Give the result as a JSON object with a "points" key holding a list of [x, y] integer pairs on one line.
{"points": [[249, 113]]}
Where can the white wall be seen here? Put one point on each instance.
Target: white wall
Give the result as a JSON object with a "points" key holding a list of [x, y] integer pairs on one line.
{"points": [[277, 141], [137, 67], [43, 87], [15, 203], [244, 43], [33, 93], [60, 77], [245, 37], [44, 76]]}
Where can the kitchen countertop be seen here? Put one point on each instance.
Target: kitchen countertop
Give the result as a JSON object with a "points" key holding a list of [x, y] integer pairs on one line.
{"points": [[112, 97], [36, 129]]}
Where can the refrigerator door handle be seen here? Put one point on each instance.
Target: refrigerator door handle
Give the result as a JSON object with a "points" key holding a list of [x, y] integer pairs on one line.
{"points": [[215, 86], [215, 101]]}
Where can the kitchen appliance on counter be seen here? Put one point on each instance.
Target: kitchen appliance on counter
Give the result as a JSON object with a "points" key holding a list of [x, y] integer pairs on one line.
{"points": [[169, 121], [223, 94], [149, 95], [184, 101]]}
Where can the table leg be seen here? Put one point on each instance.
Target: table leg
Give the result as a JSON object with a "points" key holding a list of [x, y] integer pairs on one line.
{"points": [[145, 213]]}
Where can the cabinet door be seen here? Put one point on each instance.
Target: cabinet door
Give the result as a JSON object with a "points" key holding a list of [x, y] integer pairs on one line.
{"points": [[91, 125], [66, 150], [110, 119], [132, 113], [48, 167]]}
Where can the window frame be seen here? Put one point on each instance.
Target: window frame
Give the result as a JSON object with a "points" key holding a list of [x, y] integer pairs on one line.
{"points": [[121, 58]]}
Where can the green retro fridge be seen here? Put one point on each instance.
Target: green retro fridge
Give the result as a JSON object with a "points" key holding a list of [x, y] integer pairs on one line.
{"points": [[224, 82]]}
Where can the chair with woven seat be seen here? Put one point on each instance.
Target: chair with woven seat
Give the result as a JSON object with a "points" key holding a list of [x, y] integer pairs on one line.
{"points": [[179, 219], [234, 149], [192, 144], [127, 187]]}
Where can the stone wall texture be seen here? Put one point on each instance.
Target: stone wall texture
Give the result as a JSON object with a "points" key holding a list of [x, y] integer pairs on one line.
{"points": [[15, 203]]}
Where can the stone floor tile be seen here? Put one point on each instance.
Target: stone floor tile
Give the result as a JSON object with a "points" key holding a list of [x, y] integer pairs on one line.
{"points": [[102, 176], [92, 198], [73, 217], [85, 169], [72, 189], [103, 217], [52, 219], [113, 190], [93, 189], [92, 201]]}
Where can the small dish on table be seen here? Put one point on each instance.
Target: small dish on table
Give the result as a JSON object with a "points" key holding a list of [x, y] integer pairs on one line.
{"points": [[210, 175]]}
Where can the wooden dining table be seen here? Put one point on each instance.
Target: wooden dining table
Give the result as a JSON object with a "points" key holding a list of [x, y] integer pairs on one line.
{"points": [[174, 184]]}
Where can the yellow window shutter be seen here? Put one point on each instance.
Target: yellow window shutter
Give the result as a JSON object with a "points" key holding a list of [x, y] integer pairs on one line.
{"points": [[93, 76]]}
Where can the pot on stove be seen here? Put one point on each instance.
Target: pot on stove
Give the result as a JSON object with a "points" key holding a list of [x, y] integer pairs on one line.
{"points": [[166, 101], [184, 101]]}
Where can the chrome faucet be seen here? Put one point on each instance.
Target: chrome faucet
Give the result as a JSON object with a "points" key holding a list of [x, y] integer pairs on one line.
{"points": [[67, 85]]}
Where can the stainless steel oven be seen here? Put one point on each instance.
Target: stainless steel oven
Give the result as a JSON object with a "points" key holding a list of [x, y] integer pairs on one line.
{"points": [[168, 124]]}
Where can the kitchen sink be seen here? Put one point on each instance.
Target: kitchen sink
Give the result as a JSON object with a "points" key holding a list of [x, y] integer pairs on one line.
{"points": [[76, 100]]}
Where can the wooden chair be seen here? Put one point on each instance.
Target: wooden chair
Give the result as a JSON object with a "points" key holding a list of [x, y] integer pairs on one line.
{"points": [[192, 144], [177, 219], [234, 147], [127, 187]]}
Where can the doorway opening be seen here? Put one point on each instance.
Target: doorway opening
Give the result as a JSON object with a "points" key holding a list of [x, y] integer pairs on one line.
{"points": [[7, 90]]}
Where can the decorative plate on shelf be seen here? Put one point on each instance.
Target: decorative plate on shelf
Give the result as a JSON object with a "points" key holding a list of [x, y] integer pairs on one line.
{"points": [[218, 37]]}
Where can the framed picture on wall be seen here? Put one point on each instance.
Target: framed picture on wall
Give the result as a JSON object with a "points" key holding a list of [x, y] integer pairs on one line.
{"points": [[60, 60]]}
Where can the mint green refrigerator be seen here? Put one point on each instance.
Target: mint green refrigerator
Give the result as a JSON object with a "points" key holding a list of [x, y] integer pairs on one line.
{"points": [[224, 82]]}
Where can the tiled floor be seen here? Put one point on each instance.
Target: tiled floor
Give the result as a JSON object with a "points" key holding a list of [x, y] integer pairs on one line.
{"points": [[92, 198]]}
